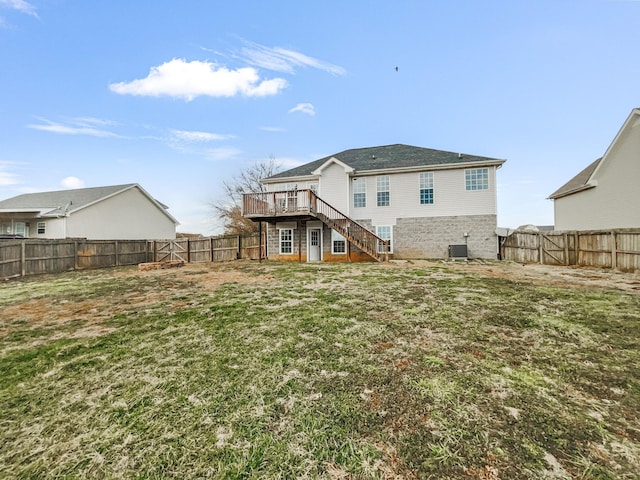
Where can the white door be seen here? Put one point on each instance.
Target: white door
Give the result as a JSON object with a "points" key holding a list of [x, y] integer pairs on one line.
{"points": [[315, 245]]}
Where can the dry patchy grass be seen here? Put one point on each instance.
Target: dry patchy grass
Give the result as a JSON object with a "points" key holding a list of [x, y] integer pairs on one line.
{"points": [[245, 370]]}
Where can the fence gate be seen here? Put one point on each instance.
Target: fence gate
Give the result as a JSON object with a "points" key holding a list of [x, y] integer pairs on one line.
{"points": [[170, 251], [553, 249]]}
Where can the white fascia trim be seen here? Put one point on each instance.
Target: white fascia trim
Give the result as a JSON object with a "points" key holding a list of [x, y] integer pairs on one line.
{"points": [[627, 125], [581, 188], [347, 168], [39, 211], [302, 178], [424, 168]]}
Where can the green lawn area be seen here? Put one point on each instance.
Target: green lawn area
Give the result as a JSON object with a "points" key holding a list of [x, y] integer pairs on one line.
{"points": [[317, 371]]}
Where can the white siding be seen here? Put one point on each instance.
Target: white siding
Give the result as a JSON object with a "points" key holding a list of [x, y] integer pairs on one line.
{"points": [[613, 203], [334, 187], [129, 215], [54, 228], [450, 198]]}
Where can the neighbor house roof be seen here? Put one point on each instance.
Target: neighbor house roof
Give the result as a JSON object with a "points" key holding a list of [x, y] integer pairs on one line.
{"points": [[577, 183], [63, 202], [587, 178], [389, 157]]}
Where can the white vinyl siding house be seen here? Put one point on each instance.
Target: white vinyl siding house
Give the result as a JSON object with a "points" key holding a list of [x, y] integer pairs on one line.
{"points": [[453, 197], [605, 194], [421, 200], [120, 212]]}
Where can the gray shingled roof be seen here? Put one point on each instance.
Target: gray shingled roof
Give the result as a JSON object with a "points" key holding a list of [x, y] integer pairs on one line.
{"points": [[61, 201], [388, 157], [578, 182]]}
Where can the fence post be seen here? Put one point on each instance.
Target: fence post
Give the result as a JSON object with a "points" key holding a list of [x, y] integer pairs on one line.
{"points": [[23, 258], [75, 255], [117, 253], [614, 250], [540, 250], [188, 250], [239, 253], [566, 248], [211, 248]]}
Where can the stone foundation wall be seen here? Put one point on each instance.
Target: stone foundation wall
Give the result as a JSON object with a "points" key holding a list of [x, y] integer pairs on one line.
{"points": [[412, 238], [431, 237]]}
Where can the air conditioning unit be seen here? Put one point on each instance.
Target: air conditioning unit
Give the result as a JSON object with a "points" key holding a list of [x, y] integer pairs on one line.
{"points": [[458, 252]]}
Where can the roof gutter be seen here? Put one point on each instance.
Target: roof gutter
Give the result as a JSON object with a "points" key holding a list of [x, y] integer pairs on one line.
{"points": [[379, 171], [422, 168], [573, 190]]}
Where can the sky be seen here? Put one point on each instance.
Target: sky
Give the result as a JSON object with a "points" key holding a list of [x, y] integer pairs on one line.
{"points": [[182, 95]]}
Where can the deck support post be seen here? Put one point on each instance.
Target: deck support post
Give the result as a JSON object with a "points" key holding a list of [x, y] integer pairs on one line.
{"points": [[299, 225], [259, 242]]}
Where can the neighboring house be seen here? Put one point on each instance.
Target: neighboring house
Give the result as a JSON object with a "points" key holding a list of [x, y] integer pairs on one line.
{"points": [[119, 212], [605, 194], [418, 200]]}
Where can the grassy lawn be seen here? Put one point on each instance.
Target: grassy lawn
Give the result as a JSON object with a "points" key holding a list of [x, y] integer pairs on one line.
{"points": [[317, 371]]}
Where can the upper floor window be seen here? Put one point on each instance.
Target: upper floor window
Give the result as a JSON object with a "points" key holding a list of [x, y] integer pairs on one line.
{"points": [[382, 184], [426, 188], [41, 228], [476, 179], [359, 192]]}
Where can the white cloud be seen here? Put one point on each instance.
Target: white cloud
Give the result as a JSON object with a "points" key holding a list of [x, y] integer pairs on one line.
{"points": [[72, 182], [79, 126], [188, 80], [272, 129], [306, 108], [284, 60], [20, 6], [8, 178], [198, 137], [223, 153]]}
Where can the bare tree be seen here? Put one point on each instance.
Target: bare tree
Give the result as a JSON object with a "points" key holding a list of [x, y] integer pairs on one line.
{"points": [[229, 210]]}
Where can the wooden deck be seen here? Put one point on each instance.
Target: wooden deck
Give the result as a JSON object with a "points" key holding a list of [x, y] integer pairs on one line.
{"points": [[306, 205]]}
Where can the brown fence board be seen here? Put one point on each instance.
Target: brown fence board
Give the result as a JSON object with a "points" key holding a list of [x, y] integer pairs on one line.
{"points": [[618, 249], [31, 256]]}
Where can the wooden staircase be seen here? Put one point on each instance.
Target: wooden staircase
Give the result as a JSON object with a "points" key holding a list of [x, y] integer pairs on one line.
{"points": [[272, 206]]}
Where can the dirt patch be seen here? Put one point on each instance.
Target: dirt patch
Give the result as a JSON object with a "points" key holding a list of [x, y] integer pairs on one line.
{"points": [[173, 289], [52, 312], [539, 274]]}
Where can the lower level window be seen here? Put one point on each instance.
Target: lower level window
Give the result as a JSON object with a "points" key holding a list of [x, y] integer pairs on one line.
{"points": [[338, 243], [385, 232], [41, 228], [286, 240]]}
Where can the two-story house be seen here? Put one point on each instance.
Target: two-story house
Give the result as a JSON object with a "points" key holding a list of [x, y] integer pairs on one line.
{"points": [[394, 200]]}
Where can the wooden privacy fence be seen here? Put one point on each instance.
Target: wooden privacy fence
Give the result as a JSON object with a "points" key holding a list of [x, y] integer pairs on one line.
{"points": [[32, 257], [616, 249], [19, 258], [209, 249]]}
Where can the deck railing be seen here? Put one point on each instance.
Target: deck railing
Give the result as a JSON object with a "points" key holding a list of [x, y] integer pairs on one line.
{"points": [[276, 203], [297, 202]]}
